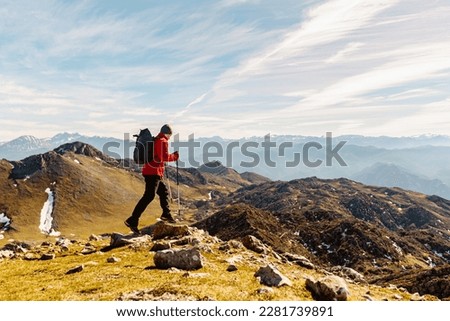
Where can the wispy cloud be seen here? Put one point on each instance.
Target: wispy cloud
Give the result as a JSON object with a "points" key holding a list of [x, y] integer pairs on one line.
{"points": [[232, 68]]}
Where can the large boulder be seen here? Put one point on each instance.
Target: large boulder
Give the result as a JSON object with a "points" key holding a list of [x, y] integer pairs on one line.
{"points": [[329, 288], [270, 276], [253, 244], [161, 230], [186, 259]]}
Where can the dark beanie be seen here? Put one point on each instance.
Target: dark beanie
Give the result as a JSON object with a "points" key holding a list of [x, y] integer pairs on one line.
{"points": [[166, 129]]}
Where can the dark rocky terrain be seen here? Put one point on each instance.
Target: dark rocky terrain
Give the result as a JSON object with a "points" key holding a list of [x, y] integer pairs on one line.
{"points": [[387, 234]]}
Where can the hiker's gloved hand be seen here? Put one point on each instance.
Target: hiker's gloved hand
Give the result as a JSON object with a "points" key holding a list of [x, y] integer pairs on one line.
{"points": [[176, 155]]}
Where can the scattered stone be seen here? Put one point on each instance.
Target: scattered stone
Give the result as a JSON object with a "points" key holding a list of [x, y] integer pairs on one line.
{"points": [[195, 275], [232, 268], [417, 297], [160, 247], [253, 244], [155, 295], [46, 243], [76, 269], [7, 254], [265, 291], [299, 260], [17, 247], [270, 276], [30, 257], [63, 242], [94, 237], [367, 297], [47, 256], [88, 250], [119, 240], [328, 288], [186, 259], [112, 259], [398, 297]]}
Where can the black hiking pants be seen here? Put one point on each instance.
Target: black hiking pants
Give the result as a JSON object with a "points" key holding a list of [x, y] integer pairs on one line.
{"points": [[153, 185]]}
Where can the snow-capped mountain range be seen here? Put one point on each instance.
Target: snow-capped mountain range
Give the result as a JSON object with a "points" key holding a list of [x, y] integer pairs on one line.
{"points": [[25, 146]]}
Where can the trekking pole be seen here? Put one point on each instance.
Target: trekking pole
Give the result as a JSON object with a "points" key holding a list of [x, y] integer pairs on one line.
{"points": [[178, 190], [168, 186]]}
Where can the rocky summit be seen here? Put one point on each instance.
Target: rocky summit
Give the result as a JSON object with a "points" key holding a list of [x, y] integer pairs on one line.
{"points": [[305, 239]]}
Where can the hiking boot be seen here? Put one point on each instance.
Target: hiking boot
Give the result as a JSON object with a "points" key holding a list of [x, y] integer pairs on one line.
{"points": [[132, 227], [168, 218]]}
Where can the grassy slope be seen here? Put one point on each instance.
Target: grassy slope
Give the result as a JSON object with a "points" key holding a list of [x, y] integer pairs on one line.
{"points": [[47, 280]]}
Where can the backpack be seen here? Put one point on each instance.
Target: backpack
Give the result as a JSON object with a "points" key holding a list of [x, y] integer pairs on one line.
{"points": [[143, 151]]}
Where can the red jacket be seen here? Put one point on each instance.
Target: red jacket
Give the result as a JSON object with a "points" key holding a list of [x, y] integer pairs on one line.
{"points": [[160, 155]]}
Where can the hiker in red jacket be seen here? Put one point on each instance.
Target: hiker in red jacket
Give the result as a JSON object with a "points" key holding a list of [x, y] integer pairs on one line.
{"points": [[153, 173]]}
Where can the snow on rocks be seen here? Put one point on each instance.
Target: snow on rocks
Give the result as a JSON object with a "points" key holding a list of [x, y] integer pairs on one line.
{"points": [[5, 222]]}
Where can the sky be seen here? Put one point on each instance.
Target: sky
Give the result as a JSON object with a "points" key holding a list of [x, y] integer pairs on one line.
{"points": [[229, 68]]}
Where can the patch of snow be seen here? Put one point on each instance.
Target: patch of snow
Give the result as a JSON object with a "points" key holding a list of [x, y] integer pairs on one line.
{"points": [[326, 245], [99, 159], [439, 254], [429, 261], [77, 161], [397, 248], [46, 215], [5, 221], [210, 195], [26, 178]]}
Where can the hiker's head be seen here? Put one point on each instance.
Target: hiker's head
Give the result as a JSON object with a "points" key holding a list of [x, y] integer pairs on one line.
{"points": [[166, 130]]}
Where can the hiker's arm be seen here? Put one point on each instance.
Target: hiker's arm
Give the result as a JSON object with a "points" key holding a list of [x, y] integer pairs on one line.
{"points": [[166, 157]]}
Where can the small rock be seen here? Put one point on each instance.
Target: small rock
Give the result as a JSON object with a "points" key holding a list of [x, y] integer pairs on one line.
{"points": [[417, 297], [265, 291], [367, 297], [88, 250], [232, 268], [270, 276], [76, 269], [94, 237], [112, 259], [300, 260], [47, 256], [7, 254], [30, 257], [63, 242]]}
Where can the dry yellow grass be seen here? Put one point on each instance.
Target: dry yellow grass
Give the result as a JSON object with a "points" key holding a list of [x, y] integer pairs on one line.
{"points": [[101, 281]]}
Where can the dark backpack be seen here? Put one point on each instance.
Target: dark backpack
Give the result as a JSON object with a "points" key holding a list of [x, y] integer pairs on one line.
{"points": [[143, 151]]}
